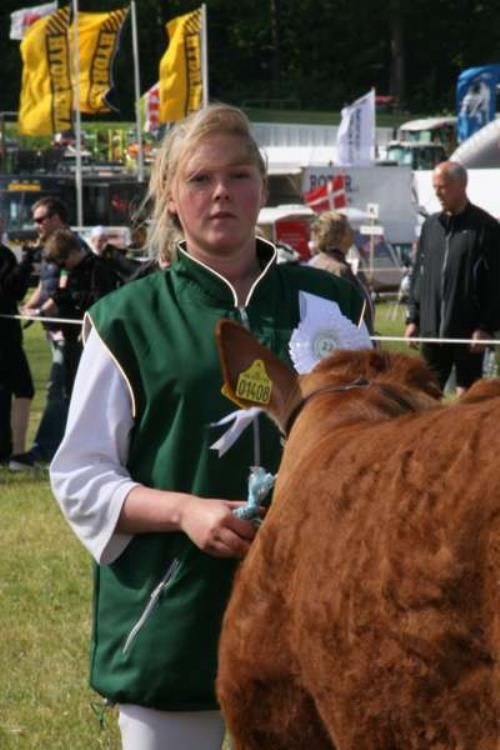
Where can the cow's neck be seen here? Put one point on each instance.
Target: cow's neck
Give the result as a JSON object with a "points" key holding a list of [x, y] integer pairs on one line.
{"points": [[387, 400], [359, 383]]}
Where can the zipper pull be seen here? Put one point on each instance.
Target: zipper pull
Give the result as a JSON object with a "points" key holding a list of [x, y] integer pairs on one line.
{"points": [[153, 598], [244, 316]]}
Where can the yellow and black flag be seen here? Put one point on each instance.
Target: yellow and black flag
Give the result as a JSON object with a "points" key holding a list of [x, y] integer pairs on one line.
{"points": [[98, 42], [46, 104], [181, 72], [47, 51]]}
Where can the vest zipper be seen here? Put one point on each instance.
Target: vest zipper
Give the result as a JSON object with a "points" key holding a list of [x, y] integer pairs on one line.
{"points": [[443, 271], [244, 316], [153, 599], [241, 308]]}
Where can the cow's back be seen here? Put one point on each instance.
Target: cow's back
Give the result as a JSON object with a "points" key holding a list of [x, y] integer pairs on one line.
{"points": [[376, 575]]}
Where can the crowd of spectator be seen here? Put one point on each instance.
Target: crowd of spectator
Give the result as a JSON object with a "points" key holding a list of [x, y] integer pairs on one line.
{"points": [[452, 294], [72, 276]]}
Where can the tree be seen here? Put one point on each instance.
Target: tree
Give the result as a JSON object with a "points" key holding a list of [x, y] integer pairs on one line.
{"points": [[321, 53], [397, 76]]}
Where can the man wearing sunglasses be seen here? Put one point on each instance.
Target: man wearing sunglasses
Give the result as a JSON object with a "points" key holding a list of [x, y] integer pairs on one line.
{"points": [[89, 277], [49, 214]]}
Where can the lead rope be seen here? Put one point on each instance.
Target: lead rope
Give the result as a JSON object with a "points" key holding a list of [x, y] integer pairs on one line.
{"points": [[256, 442], [260, 482]]}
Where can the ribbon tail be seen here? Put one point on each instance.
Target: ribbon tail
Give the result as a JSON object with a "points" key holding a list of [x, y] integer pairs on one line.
{"points": [[241, 419]]}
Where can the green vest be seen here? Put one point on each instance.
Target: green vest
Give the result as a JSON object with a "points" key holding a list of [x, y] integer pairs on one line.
{"points": [[158, 607]]}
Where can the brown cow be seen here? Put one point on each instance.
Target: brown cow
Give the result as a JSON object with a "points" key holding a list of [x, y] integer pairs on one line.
{"points": [[366, 615]]}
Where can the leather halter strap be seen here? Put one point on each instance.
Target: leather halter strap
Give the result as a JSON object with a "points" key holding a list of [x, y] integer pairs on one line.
{"points": [[388, 391], [358, 383]]}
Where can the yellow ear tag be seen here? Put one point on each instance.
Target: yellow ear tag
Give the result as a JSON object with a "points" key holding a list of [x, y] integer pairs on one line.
{"points": [[227, 393], [254, 384]]}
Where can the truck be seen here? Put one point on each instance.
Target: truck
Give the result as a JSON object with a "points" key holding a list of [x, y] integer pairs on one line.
{"points": [[110, 199], [422, 143]]}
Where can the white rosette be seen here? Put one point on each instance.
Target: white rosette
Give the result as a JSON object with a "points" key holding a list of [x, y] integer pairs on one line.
{"points": [[322, 330]]}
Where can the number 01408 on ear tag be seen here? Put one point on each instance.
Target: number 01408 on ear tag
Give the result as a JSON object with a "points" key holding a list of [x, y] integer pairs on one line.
{"points": [[254, 384]]}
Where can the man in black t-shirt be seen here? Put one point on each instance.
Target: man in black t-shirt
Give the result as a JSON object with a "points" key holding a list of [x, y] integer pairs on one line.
{"points": [[89, 277]]}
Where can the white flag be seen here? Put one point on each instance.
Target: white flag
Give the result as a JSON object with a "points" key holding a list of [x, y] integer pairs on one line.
{"points": [[356, 134], [21, 20]]}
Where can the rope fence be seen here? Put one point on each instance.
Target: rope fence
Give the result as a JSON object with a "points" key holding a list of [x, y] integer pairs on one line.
{"points": [[491, 344], [423, 340], [399, 339], [43, 319]]}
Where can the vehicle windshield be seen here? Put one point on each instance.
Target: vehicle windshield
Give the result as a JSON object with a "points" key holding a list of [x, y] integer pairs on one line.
{"points": [[16, 208], [416, 157], [441, 133]]}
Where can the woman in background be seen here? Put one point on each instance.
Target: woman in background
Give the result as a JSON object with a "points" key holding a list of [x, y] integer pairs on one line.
{"points": [[332, 236]]}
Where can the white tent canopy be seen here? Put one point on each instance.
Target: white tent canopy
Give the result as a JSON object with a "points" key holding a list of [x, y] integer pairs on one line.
{"points": [[270, 214], [301, 145]]}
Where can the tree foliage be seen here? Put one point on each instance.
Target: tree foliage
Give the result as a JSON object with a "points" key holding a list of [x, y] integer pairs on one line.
{"points": [[316, 54]]}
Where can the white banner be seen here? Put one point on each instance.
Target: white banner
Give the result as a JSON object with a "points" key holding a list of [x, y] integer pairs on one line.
{"points": [[356, 134], [21, 20]]}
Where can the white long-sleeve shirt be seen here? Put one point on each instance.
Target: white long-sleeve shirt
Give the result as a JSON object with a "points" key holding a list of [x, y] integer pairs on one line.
{"points": [[88, 473]]}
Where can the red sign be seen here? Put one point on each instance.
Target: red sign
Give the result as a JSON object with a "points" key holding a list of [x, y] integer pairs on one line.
{"points": [[294, 232]]}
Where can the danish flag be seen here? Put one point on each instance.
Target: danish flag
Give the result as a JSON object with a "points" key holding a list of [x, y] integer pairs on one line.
{"points": [[329, 196]]}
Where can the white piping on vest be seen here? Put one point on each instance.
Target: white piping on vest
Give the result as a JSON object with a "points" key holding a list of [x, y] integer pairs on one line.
{"points": [[244, 319], [223, 278], [88, 323]]}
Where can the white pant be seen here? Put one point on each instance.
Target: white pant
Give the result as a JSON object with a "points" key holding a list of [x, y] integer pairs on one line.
{"points": [[147, 729]]}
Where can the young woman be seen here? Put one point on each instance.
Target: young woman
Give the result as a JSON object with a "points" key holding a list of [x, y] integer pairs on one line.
{"points": [[135, 475]]}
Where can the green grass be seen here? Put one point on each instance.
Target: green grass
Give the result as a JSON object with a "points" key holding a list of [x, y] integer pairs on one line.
{"points": [[45, 620], [45, 579], [390, 321], [39, 357]]}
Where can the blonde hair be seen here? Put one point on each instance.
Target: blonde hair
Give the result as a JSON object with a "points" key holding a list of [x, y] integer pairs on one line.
{"points": [[178, 143], [328, 230]]}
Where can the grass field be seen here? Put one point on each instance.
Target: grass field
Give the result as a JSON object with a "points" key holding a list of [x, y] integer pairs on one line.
{"points": [[45, 595]]}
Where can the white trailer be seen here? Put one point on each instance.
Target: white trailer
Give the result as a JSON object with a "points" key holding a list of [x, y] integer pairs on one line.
{"points": [[390, 187]]}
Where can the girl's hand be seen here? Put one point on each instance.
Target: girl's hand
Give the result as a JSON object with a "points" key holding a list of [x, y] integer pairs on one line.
{"points": [[213, 527]]}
